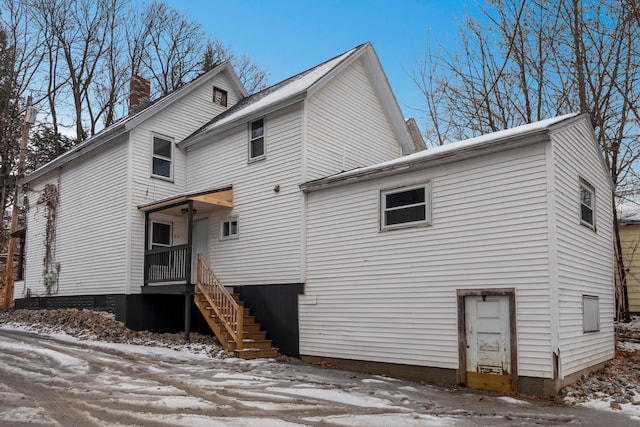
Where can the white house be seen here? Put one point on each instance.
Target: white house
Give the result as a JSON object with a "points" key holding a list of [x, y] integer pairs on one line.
{"points": [[486, 262], [474, 263]]}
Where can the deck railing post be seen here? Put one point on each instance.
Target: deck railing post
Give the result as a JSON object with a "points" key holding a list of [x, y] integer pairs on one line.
{"points": [[199, 270], [240, 327]]}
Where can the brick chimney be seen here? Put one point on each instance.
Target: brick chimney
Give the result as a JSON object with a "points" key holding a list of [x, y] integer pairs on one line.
{"points": [[139, 93]]}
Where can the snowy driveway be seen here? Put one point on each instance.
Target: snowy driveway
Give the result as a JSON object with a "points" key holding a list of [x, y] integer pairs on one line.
{"points": [[63, 381]]}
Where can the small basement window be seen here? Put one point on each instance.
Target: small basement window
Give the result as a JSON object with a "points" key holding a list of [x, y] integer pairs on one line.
{"points": [[161, 233], [230, 228], [404, 207], [220, 96], [256, 140], [162, 157], [587, 204], [590, 313]]}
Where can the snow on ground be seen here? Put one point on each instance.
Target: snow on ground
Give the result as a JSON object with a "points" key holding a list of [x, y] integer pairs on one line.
{"points": [[114, 393], [513, 401], [337, 396], [616, 387], [386, 420], [257, 384]]}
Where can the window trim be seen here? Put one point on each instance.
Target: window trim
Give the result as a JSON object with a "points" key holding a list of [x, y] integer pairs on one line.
{"points": [[584, 184], [161, 245], [427, 207], [154, 156], [230, 219], [584, 314], [223, 96], [251, 139]]}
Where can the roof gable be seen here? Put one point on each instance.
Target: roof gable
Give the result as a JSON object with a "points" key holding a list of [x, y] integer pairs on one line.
{"points": [[130, 121], [270, 99], [304, 84]]}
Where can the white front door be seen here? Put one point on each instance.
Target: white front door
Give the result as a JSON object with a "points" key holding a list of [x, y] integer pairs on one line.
{"points": [[200, 244], [488, 353]]}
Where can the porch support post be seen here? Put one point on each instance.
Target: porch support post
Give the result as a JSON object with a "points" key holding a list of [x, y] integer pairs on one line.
{"points": [[187, 316], [187, 297], [146, 247], [189, 243]]}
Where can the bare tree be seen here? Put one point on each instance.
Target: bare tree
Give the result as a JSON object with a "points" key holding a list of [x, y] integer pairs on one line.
{"points": [[251, 75], [169, 48], [20, 59], [521, 62]]}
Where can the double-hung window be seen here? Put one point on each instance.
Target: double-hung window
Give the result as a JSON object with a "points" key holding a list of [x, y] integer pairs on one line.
{"points": [[229, 228], [162, 165], [587, 204], [405, 207], [160, 234], [256, 140]]}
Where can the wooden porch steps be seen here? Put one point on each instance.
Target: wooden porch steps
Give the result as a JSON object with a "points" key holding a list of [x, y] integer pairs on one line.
{"points": [[254, 342]]}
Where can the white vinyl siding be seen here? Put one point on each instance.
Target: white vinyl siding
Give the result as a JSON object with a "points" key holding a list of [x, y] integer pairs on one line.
{"points": [[391, 297], [177, 121], [268, 251], [90, 233], [35, 238], [346, 126], [585, 257]]}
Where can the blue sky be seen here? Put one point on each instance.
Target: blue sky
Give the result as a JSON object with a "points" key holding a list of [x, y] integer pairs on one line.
{"points": [[287, 36]]}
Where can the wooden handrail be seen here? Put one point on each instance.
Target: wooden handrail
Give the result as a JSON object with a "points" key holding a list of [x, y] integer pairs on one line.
{"points": [[222, 303]]}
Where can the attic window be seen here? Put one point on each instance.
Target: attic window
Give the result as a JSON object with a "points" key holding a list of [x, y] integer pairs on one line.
{"points": [[220, 96], [256, 140]]}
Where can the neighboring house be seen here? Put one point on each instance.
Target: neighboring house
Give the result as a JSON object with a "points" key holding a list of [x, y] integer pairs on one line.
{"points": [[629, 226], [486, 262]]}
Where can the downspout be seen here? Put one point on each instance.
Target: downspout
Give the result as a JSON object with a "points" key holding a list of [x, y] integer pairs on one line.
{"points": [[303, 208], [129, 218], [146, 246], [554, 297]]}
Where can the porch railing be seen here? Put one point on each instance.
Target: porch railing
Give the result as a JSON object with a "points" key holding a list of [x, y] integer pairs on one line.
{"points": [[167, 264], [226, 309]]}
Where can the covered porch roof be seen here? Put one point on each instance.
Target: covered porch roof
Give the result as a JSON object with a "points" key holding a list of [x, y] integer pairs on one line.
{"points": [[203, 201]]}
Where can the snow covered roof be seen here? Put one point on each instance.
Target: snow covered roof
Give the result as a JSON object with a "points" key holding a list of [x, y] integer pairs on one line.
{"points": [[276, 96], [128, 122], [298, 87], [628, 211], [455, 150]]}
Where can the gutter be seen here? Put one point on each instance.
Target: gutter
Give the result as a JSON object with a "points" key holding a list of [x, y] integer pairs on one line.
{"points": [[85, 147], [405, 164]]}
